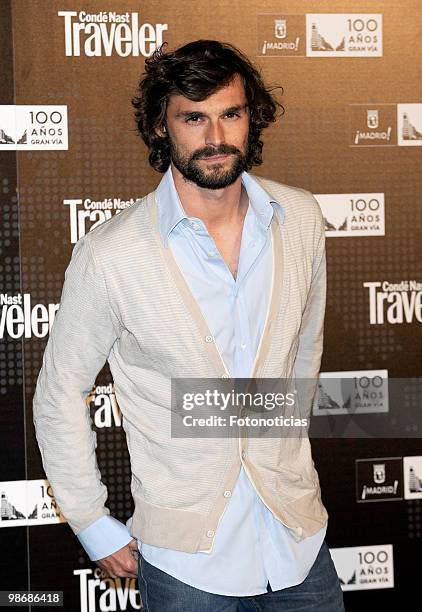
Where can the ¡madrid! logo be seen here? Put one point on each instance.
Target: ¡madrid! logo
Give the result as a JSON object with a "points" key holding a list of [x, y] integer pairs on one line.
{"points": [[372, 125], [320, 34], [107, 32], [379, 479], [281, 34], [385, 125], [352, 214]]}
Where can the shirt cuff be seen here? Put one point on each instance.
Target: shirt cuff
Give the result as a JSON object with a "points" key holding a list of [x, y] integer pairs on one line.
{"points": [[103, 537]]}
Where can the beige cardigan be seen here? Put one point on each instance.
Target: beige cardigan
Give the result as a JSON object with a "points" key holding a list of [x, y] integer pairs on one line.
{"points": [[125, 300]]}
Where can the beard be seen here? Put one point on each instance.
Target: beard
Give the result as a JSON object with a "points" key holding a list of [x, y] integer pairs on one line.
{"points": [[216, 176]]}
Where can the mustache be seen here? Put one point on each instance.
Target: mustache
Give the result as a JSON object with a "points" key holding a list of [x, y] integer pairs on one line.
{"points": [[223, 149]]}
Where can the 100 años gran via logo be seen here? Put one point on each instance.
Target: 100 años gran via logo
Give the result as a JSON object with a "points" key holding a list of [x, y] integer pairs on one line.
{"points": [[34, 127], [352, 214], [340, 35], [364, 567], [28, 502], [351, 392], [107, 32]]}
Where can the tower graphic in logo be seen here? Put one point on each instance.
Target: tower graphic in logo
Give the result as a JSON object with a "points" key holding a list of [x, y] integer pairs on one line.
{"points": [[412, 472], [280, 28], [372, 119], [409, 132], [415, 483], [318, 42], [24, 138], [351, 580], [379, 472], [5, 138], [330, 227], [9, 512]]}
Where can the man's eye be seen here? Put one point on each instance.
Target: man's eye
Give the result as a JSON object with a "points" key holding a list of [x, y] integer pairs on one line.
{"points": [[232, 115], [194, 119]]}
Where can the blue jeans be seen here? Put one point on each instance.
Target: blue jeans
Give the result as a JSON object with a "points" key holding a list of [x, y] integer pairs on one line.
{"points": [[319, 592]]}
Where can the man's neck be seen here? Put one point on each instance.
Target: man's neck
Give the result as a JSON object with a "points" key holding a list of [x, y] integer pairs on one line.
{"points": [[217, 208]]}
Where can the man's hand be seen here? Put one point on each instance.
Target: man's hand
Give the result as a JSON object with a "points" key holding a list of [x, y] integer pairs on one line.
{"points": [[123, 562]]}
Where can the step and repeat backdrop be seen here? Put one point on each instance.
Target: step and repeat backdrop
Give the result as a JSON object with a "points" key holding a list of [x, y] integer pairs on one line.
{"points": [[351, 133]]}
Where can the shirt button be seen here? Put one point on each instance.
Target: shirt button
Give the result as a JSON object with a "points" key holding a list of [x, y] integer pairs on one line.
{"points": [[210, 533], [243, 346], [209, 338], [227, 493]]}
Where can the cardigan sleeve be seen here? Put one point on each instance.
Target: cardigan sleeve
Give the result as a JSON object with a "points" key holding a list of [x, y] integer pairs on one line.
{"points": [[311, 333], [80, 340]]}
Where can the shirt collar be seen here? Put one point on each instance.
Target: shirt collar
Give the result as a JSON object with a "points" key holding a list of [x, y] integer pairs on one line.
{"points": [[171, 211]]}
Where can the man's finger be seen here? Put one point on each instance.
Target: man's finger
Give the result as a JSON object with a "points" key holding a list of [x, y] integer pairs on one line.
{"points": [[116, 569]]}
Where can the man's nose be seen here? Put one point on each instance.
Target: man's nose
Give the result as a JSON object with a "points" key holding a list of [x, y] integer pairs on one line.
{"points": [[214, 134]]}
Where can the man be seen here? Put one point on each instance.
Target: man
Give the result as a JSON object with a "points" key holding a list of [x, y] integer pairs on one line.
{"points": [[215, 274]]}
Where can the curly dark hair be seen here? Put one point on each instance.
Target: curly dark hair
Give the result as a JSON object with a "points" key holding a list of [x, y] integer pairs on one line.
{"points": [[196, 71]]}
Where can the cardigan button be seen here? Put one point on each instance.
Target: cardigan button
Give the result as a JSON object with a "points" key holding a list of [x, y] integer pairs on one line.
{"points": [[209, 338], [210, 533]]}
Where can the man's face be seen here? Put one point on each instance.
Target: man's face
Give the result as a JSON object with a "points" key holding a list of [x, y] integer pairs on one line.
{"points": [[209, 139]]}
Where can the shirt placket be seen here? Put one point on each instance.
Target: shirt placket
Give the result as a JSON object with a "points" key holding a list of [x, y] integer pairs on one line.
{"points": [[254, 237], [253, 240]]}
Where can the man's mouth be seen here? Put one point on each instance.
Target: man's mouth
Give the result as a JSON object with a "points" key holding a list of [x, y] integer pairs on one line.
{"points": [[216, 158]]}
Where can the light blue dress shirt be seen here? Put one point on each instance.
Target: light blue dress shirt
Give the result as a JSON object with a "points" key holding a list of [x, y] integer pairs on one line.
{"points": [[251, 546]]}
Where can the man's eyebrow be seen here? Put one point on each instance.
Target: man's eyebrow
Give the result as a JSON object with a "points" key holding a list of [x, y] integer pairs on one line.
{"points": [[231, 109], [190, 114], [235, 109]]}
